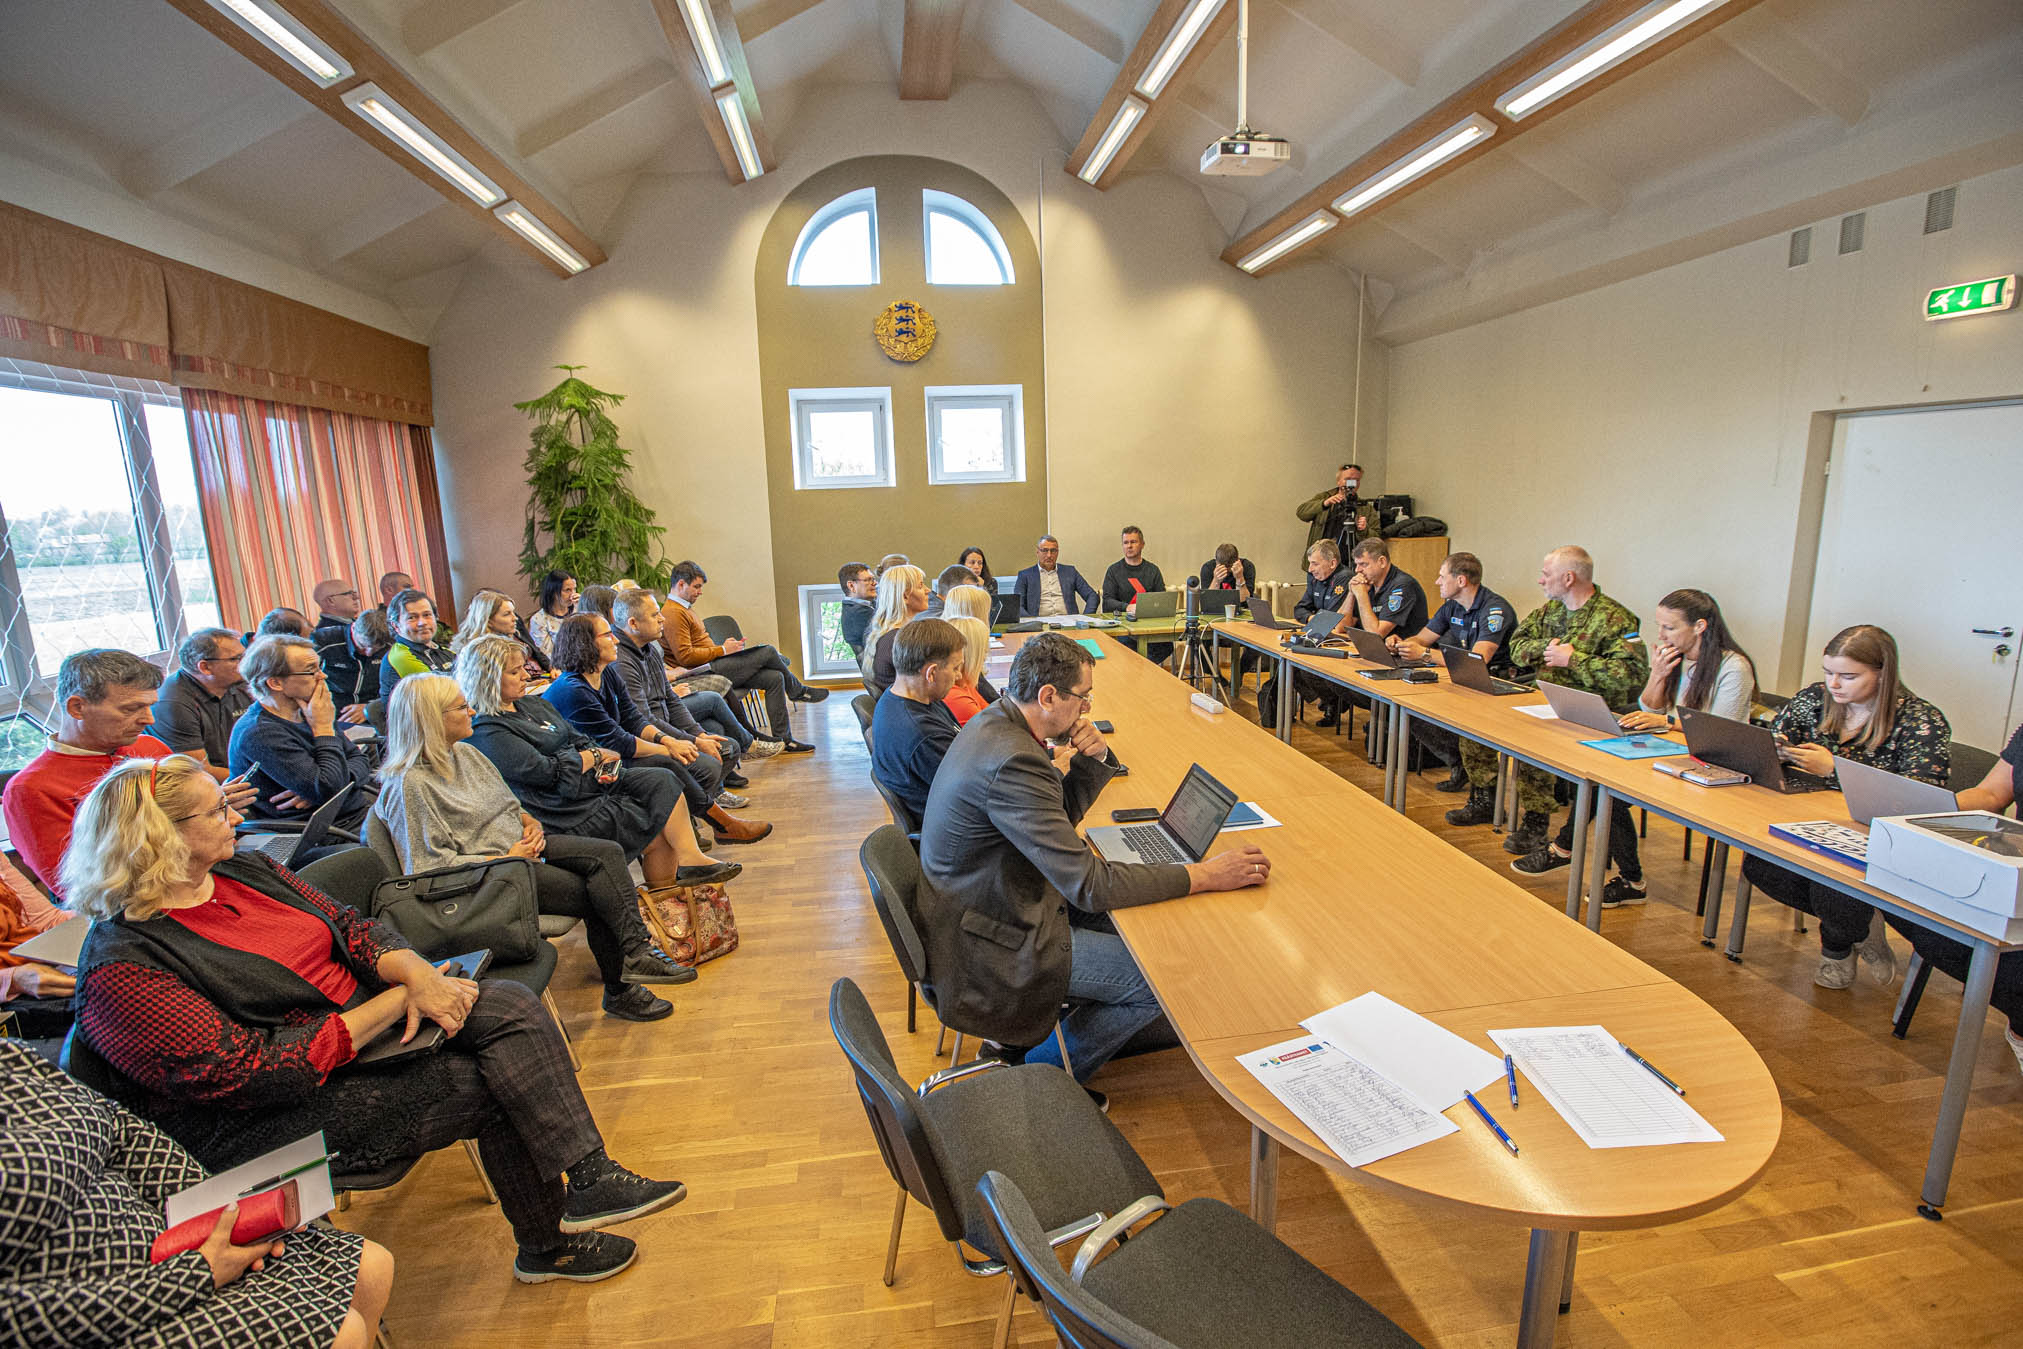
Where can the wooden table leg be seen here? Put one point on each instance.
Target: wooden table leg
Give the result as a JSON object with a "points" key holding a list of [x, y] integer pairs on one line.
{"points": [[1264, 1150]]}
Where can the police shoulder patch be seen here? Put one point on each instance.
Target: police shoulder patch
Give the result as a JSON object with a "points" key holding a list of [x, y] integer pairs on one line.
{"points": [[1397, 599], [1495, 620]]}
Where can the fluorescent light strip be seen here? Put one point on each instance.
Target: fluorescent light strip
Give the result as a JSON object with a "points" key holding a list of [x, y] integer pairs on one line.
{"points": [[1617, 45], [732, 110], [283, 34], [1315, 225], [524, 223], [1417, 164], [1113, 139], [702, 32], [371, 103], [1178, 43]]}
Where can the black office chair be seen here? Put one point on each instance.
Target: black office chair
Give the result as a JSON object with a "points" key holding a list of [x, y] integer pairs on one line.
{"points": [[864, 705], [902, 814], [723, 628], [1031, 1122], [1970, 764], [892, 869], [1199, 1274]]}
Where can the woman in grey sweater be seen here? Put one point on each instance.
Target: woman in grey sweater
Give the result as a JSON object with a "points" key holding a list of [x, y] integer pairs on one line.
{"points": [[446, 805]]}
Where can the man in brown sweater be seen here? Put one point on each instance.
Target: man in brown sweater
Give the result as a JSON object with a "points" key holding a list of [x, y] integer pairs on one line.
{"points": [[688, 645]]}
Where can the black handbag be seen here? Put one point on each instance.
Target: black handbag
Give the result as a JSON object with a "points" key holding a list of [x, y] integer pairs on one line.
{"points": [[456, 909]]}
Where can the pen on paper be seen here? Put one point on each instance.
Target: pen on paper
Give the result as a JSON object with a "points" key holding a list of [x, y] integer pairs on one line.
{"points": [[1510, 1076], [1652, 1069], [1490, 1120]]}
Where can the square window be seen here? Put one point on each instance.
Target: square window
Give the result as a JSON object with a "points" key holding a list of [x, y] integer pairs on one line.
{"points": [[976, 433], [842, 437], [823, 650]]}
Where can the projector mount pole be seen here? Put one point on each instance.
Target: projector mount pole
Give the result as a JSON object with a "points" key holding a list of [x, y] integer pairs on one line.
{"points": [[1243, 67]]}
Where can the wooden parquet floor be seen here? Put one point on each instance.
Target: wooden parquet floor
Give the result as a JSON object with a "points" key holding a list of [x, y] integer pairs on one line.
{"points": [[743, 1095]]}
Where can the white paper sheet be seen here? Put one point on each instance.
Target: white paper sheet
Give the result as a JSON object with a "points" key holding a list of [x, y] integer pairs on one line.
{"points": [[1357, 1111], [1607, 1097], [1250, 815], [60, 945], [1543, 711], [1431, 1062], [312, 1187]]}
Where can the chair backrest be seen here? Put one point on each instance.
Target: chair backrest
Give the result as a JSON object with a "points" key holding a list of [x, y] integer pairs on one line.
{"points": [[349, 876], [379, 838], [901, 814], [722, 628], [896, 1122], [1078, 1318], [1970, 764], [864, 705], [892, 869]]}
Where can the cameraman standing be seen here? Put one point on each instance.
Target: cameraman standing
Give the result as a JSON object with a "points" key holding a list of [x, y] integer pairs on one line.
{"points": [[1339, 513]]}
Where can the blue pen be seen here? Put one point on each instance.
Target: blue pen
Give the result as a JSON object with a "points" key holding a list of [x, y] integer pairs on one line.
{"points": [[1490, 1120], [1510, 1074], [1652, 1068]]}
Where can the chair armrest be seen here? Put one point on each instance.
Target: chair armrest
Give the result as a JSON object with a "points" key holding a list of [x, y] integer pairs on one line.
{"points": [[947, 1075], [1127, 1217]]}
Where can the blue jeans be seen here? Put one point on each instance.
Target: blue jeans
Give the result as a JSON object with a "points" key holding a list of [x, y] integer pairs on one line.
{"points": [[715, 716], [1113, 1003]]}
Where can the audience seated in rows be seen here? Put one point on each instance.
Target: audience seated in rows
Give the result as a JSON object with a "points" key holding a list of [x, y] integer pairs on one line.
{"points": [[445, 805], [86, 1181], [911, 727], [198, 705], [568, 782], [286, 744], [229, 998], [642, 667], [747, 667]]}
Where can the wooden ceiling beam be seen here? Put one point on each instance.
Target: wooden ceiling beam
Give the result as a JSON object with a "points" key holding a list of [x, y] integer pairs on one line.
{"points": [[1479, 99], [1162, 22], [706, 90], [927, 48], [371, 65]]}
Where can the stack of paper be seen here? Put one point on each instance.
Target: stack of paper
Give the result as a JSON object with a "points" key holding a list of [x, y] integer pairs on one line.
{"points": [[1607, 1097]]}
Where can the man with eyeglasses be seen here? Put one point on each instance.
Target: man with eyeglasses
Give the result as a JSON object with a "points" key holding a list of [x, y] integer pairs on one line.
{"points": [[337, 605], [199, 703], [104, 706], [1003, 866], [289, 735]]}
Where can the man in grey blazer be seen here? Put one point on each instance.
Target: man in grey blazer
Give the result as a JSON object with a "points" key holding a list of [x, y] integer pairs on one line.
{"points": [[1002, 862]]}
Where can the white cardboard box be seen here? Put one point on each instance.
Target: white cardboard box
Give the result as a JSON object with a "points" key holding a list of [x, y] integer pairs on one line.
{"points": [[1974, 886]]}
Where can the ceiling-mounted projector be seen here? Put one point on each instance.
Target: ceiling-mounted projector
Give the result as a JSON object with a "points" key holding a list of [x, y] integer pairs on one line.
{"points": [[1244, 153]]}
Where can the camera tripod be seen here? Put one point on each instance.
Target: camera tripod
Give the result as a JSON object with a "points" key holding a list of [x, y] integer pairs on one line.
{"points": [[1198, 668]]}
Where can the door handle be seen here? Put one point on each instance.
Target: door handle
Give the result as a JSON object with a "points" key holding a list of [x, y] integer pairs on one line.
{"points": [[2001, 650], [2004, 633]]}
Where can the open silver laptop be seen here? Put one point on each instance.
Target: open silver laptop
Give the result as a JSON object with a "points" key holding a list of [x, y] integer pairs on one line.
{"points": [[1580, 707], [1874, 791], [1183, 831]]}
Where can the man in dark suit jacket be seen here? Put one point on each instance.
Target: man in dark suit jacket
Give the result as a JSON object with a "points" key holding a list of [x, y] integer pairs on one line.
{"points": [[1002, 863], [1039, 584]]}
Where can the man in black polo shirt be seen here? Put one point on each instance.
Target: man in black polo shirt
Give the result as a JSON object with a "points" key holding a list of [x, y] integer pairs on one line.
{"points": [[197, 704], [911, 727], [1387, 599], [1328, 583], [1472, 618]]}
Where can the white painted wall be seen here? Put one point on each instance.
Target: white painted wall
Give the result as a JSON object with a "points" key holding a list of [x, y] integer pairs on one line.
{"points": [[1663, 422], [1164, 366]]}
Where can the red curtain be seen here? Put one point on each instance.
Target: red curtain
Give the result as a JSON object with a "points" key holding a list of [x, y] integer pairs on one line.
{"points": [[292, 495]]}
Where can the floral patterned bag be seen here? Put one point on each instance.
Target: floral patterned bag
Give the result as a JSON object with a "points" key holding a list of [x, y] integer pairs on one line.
{"points": [[692, 923]]}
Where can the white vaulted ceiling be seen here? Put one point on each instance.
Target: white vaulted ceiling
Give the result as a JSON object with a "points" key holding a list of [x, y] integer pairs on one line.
{"points": [[1787, 108]]}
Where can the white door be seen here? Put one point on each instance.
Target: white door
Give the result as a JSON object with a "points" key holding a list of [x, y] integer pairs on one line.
{"points": [[1923, 518]]}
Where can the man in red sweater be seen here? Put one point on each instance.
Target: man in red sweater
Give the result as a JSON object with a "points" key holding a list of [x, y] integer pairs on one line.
{"points": [[104, 702]]}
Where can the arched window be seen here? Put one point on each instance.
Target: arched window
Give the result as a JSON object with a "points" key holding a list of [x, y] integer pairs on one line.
{"points": [[839, 244], [963, 247]]}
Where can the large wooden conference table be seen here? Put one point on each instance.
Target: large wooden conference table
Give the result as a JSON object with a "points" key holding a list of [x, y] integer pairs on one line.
{"points": [[1360, 898], [1731, 817]]}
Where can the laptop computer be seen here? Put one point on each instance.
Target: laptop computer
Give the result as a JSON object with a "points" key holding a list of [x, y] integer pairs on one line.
{"points": [[1371, 648], [1260, 614], [1320, 626], [1004, 607], [1215, 602], [1744, 748], [1470, 671], [289, 849], [1183, 831], [1872, 791], [1157, 604], [1584, 709]]}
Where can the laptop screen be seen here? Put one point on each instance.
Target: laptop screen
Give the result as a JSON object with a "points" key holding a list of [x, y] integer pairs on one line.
{"points": [[1195, 814]]}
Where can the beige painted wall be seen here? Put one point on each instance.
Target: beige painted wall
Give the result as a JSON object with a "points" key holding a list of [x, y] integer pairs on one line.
{"points": [[1667, 422], [1196, 401]]}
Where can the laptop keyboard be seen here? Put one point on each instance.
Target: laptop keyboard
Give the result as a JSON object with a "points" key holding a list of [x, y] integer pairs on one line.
{"points": [[1149, 841]]}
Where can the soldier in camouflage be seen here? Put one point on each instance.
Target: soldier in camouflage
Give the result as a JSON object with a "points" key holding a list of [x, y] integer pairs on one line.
{"points": [[1583, 639]]}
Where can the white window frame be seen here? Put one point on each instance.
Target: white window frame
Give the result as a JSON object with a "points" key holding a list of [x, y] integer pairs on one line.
{"points": [[949, 204], [1011, 397], [813, 597], [863, 199], [801, 402]]}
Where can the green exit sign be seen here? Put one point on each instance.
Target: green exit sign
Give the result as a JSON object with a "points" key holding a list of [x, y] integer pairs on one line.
{"points": [[1972, 297]]}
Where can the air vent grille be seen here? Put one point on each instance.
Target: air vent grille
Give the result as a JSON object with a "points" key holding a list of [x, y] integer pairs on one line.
{"points": [[1939, 210], [1850, 232], [1801, 248]]}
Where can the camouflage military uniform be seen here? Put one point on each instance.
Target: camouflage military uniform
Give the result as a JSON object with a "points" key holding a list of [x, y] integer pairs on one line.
{"points": [[1609, 658]]}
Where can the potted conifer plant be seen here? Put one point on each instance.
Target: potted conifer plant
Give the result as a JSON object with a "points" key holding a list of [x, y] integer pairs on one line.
{"points": [[582, 516]]}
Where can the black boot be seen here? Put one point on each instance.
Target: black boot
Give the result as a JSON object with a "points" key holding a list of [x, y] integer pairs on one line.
{"points": [[1455, 781], [1481, 807], [1529, 836]]}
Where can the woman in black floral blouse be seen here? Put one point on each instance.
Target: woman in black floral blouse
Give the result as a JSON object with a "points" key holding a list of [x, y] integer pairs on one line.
{"points": [[1861, 711]]}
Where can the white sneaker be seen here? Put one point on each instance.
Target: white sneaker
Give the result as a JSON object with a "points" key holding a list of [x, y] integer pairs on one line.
{"points": [[730, 800], [2015, 1046], [1835, 973], [763, 748], [1875, 953]]}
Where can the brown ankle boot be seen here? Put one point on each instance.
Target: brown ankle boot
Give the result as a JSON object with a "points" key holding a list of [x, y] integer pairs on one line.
{"points": [[730, 829]]}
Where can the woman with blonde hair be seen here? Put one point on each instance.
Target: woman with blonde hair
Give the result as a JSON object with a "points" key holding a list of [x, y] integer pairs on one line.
{"points": [[571, 784], [493, 613], [967, 698], [1862, 711], [966, 602], [230, 998], [902, 596], [445, 805]]}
